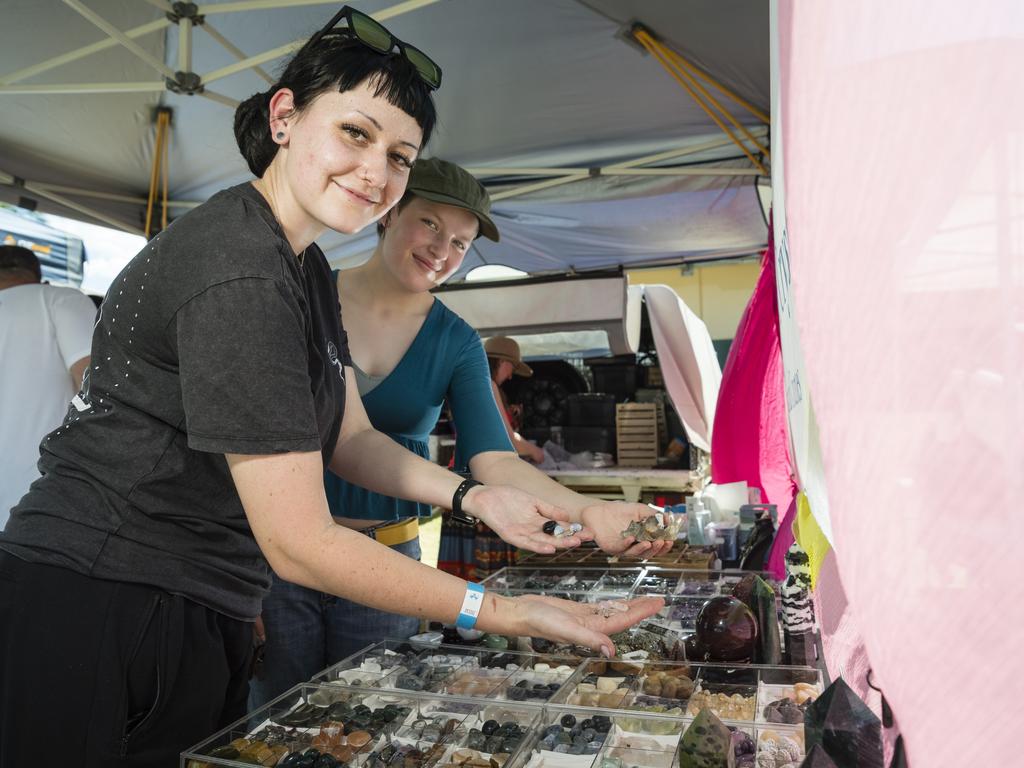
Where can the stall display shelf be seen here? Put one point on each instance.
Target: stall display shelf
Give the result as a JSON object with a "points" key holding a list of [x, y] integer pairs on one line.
{"points": [[564, 581], [454, 670], [741, 694], [358, 727], [680, 556], [632, 582], [328, 725], [660, 637], [644, 741]]}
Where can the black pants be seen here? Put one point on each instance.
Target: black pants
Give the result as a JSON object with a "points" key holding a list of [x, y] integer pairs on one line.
{"points": [[102, 673]]}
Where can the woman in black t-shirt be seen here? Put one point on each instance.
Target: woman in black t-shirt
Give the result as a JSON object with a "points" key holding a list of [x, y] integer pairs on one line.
{"points": [[132, 570]]}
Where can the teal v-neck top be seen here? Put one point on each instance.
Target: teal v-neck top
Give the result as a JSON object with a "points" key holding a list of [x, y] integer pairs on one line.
{"points": [[445, 361]]}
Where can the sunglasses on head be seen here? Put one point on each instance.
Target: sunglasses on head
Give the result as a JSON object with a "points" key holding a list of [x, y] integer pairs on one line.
{"points": [[375, 36]]}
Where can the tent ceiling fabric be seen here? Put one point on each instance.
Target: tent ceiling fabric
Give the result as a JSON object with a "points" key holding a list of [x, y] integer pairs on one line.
{"points": [[526, 84]]}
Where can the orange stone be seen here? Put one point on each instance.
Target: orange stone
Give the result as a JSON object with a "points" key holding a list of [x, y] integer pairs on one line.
{"points": [[359, 739]]}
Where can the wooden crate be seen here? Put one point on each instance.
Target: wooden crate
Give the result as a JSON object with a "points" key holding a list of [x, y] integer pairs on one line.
{"points": [[658, 397], [636, 431]]}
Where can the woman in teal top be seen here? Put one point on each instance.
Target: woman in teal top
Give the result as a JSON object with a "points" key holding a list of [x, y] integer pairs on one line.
{"points": [[411, 354], [444, 363]]}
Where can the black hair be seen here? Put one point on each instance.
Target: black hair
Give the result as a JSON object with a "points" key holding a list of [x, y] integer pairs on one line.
{"points": [[338, 62], [15, 258]]}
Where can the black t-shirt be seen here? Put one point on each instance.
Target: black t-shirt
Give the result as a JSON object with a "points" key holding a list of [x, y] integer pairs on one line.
{"points": [[214, 339]]}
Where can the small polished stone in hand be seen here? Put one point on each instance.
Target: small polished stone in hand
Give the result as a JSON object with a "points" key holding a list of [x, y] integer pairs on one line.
{"points": [[552, 528]]}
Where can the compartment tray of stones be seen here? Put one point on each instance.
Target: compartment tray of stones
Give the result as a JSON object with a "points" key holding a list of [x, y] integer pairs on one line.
{"points": [[760, 694], [454, 670], [569, 737], [553, 581], [323, 726], [680, 556], [633, 582], [317, 726]]}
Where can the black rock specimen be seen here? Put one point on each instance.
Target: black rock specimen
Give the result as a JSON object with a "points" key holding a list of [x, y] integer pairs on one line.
{"points": [[817, 758], [849, 732]]}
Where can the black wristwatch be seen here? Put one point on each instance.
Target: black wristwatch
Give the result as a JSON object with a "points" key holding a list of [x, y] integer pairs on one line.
{"points": [[457, 515]]}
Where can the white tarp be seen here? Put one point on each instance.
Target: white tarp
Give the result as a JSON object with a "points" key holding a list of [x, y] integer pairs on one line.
{"points": [[688, 362]]}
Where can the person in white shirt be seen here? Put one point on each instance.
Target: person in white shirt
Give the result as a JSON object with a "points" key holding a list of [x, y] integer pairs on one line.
{"points": [[45, 336]]}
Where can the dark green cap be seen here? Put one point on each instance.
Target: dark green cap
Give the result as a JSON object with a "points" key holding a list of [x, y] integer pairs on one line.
{"points": [[443, 182]]}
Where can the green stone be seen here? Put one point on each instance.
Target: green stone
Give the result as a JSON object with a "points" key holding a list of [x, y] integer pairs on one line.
{"points": [[706, 744]]}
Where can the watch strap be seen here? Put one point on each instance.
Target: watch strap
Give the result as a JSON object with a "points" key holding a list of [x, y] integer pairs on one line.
{"points": [[458, 515]]}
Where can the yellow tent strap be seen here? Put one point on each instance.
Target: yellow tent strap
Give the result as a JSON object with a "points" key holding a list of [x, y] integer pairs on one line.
{"points": [[162, 122], [647, 43], [694, 70], [165, 171], [681, 63]]}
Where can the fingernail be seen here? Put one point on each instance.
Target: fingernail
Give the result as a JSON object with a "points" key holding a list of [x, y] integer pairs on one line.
{"points": [[606, 651]]}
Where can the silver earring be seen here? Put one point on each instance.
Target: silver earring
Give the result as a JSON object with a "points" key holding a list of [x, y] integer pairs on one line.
{"points": [[279, 135]]}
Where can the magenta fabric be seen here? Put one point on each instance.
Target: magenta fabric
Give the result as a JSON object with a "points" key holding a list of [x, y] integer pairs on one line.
{"points": [[904, 157], [750, 438], [784, 538]]}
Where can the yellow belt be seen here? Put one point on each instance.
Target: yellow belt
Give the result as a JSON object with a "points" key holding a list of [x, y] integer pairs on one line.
{"points": [[395, 533]]}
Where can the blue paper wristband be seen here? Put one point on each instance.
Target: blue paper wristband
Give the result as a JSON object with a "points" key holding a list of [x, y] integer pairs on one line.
{"points": [[471, 605]]}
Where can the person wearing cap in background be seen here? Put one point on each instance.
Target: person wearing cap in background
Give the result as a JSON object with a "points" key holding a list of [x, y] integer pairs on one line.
{"points": [[505, 361], [411, 354]]}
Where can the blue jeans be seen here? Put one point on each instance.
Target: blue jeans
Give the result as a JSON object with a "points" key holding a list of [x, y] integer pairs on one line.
{"points": [[308, 631]]}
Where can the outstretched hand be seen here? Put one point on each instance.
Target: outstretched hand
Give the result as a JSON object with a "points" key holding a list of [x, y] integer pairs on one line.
{"points": [[519, 518], [584, 624], [608, 520]]}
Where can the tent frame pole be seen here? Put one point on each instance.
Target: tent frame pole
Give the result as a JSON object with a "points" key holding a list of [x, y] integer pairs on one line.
{"points": [[84, 88], [234, 50], [630, 167], [40, 191], [598, 171], [120, 37], [207, 9], [274, 53], [227, 101], [185, 44], [79, 53]]}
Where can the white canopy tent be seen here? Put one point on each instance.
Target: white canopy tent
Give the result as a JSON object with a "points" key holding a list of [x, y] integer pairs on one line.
{"points": [[594, 155]]}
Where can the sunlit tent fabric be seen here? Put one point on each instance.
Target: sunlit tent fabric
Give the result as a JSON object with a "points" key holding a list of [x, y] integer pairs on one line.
{"points": [[532, 84], [906, 243]]}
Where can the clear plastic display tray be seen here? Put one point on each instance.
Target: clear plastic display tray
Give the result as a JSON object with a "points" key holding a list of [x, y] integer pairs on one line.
{"points": [[738, 694], [684, 591], [362, 728], [573, 737], [454, 670], [680, 556], [359, 727], [657, 581], [564, 581]]}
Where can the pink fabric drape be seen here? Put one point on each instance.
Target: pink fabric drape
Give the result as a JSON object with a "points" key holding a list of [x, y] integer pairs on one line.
{"points": [[904, 166], [751, 441]]}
